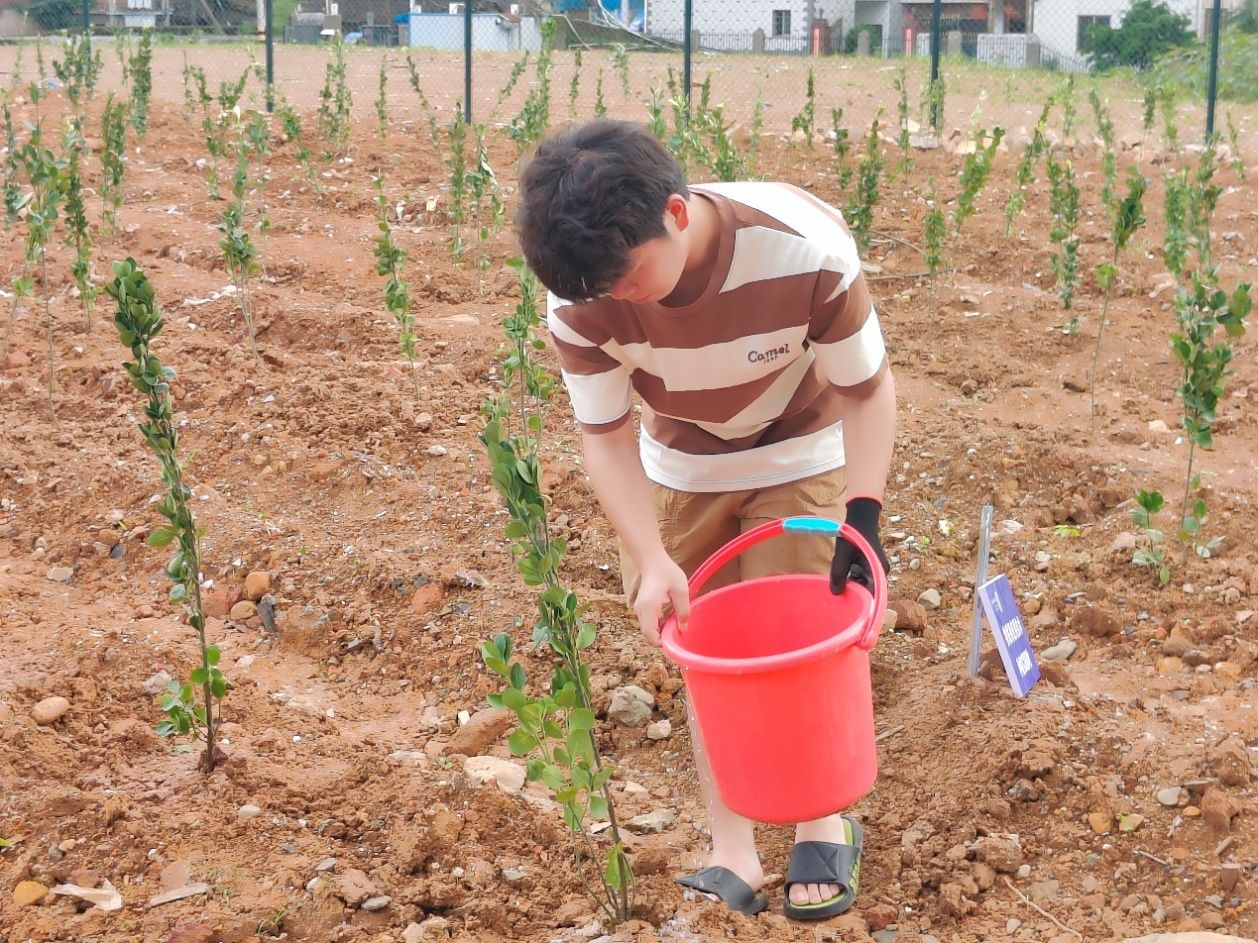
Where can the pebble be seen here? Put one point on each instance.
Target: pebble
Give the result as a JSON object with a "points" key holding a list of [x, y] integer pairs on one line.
{"points": [[436, 451], [483, 769], [49, 710], [1168, 796], [314, 884], [660, 730], [631, 706], [910, 616], [144, 612], [513, 875], [61, 574], [29, 893], [327, 864], [1244, 616], [372, 904], [257, 585], [655, 821], [243, 610], [1024, 871], [423, 422], [1042, 560], [930, 599], [248, 811], [1059, 652], [1099, 822], [156, 683]]}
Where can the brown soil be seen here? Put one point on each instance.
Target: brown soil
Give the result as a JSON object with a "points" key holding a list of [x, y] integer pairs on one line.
{"points": [[389, 565]]}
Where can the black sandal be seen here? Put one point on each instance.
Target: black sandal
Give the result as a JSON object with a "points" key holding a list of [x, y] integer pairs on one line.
{"points": [[820, 862], [724, 885]]}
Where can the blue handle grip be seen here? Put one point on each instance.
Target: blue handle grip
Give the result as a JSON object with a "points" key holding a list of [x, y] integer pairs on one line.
{"points": [[811, 525]]}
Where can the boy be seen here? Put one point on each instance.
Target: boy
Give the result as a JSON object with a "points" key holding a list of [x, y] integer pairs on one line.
{"points": [[739, 315]]}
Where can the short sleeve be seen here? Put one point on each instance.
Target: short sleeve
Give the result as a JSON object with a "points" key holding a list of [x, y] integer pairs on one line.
{"points": [[598, 384], [844, 333]]}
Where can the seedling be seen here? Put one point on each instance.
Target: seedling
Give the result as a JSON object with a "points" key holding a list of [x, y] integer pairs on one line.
{"points": [[620, 56], [574, 87], [430, 117], [1128, 217], [1064, 202], [139, 321], [527, 128], [1233, 137], [140, 68], [113, 161], [397, 293], [656, 123], [1152, 556], [555, 731], [860, 207], [79, 70], [901, 85], [806, 120], [1175, 223], [1067, 98], [12, 189], [1166, 104], [1203, 197], [239, 252], [756, 133], [1150, 111], [334, 103], [933, 239], [290, 128], [80, 236], [458, 182], [1109, 158], [728, 162], [486, 202], [382, 102], [934, 98], [600, 106], [975, 170], [1025, 174]]}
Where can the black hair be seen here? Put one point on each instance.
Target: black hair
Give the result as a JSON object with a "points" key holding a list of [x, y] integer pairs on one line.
{"points": [[590, 194]]}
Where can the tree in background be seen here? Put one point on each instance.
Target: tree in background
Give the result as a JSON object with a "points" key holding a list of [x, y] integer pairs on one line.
{"points": [[1149, 29]]}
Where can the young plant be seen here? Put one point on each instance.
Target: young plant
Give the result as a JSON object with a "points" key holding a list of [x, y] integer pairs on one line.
{"points": [[113, 161], [933, 100], [458, 182], [382, 102], [239, 252], [80, 236], [555, 732], [1067, 98], [806, 120], [1203, 197], [975, 170], [334, 103], [290, 128], [139, 321], [1128, 217], [397, 293], [620, 57], [1064, 203], [1175, 230], [1166, 104], [757, 132], [12, 164], [1109, 155], [1150, 111], [528, 127], [79, 70], [1152, 556], [657, 124], [1233, 137], [574, 87], [486, 203], [860, 207], [141, 70], [933, 239], [728, 162], [430, 117], [902, 86], [1024, 176]]}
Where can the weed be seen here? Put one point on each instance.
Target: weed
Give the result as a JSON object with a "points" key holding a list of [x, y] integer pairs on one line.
{"points": [[139, 321]]}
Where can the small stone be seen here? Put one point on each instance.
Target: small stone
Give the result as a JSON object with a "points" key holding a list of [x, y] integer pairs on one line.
{"points": [[631, 706], [192, 933], [655, 821], [1059, 652], [1100, 822], [49, 710], [1231, 763], [85, 877], [513, 875], [436, 451], [660, 729], [29, 893], [1124, 543], [327, 864], [156, 683], [427, 598], [314, 884], [413, 933], [176, 874], [257, 585], [248, 811], [1229, 876], [881, 916], [1179, 642], [480, 732], [243, 610], [372, 904], [61, 574], [415, 758], [910, 616], [930, 599], [144, 612], [423, 422], [1244, 616], [1169, 796], [1168, 666], [1158, 426], [1218, 809], [1024, 791], [1024, 872], [1089, 620], [1002, 854], [483, 769]]}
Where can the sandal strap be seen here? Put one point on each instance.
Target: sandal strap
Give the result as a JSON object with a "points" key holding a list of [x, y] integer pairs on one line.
{"points": [[819, 862], [723, 883]]}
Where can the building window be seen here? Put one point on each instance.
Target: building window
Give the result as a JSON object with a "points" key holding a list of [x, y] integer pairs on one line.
{"points": [[1085, 24], [781, 22]]}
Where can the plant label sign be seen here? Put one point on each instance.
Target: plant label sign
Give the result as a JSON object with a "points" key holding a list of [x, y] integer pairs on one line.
{"points": [[1010, 632]]}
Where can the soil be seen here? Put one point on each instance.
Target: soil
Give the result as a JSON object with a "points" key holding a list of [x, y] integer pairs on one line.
{"points": [[993, 818]]}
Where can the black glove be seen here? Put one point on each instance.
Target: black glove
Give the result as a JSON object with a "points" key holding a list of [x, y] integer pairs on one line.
{"points": [[850, 563]]}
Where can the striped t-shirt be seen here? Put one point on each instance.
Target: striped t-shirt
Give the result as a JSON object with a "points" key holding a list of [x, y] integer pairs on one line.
{"points": [[742, 388]]}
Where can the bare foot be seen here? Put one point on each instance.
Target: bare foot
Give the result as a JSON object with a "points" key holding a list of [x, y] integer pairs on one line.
{"points": [[829, 829]]}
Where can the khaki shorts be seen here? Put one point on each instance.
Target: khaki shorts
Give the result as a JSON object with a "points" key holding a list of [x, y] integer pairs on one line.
{"points": [[695, 525]]}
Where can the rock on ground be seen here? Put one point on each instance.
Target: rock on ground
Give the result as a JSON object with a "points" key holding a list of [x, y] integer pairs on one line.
{"points": [[631, 706]]}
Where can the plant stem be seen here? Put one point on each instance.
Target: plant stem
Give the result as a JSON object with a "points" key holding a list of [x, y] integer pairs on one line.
{"points": [[52, 366], [1100, 331], [1192, 448]]}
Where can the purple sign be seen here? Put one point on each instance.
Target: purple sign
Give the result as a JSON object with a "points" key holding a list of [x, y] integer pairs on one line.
{"points": [[1011, 638]]}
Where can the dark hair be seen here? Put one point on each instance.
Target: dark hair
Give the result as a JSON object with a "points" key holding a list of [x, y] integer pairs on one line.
{"points": [[589, 195]]}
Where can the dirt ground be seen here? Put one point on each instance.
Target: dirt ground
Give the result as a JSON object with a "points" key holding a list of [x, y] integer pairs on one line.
{"points": [[1117, 799]]}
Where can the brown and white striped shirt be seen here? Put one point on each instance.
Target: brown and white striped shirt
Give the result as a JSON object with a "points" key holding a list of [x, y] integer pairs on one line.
{"points": [[742, 388]]}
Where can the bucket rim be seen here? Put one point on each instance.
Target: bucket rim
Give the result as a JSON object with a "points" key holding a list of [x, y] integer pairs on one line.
{"points": [[710, 664]]}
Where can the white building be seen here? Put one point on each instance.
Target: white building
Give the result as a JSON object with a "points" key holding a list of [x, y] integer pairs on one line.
{"points": [[786, 23], [1060, 25]]}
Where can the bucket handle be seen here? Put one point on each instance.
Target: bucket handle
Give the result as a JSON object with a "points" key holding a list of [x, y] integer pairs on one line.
{"points": [[805, 525]]}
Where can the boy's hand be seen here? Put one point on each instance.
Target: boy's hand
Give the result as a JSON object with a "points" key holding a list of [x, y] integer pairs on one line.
{"points": [[663, 584], [850, 563]]}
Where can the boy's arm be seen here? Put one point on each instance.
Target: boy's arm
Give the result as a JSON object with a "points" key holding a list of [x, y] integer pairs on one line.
{"points": [[615, 469], [869, 437]]}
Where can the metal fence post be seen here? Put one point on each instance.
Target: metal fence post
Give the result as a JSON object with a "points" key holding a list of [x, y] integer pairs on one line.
{"points": [[687, 51], [936, 27], [1212, 92], [467, 61], [268, 11], [87, 16]]}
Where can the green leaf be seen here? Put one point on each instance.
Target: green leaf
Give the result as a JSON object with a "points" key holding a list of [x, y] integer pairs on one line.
{"points": [[521, 743], [178, 592], [162, 537], [553, 777], [212, 655], [598, 806], [586, 636], [495, 701], [218, 687], [514, 699], [200, 675], [581, 718]]}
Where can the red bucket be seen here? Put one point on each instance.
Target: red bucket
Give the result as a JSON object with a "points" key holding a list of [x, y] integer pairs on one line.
{"points": [[777, 671]]}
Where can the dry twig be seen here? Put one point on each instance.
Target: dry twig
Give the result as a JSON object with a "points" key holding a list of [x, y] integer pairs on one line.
{"points": [[1040, 910]]}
